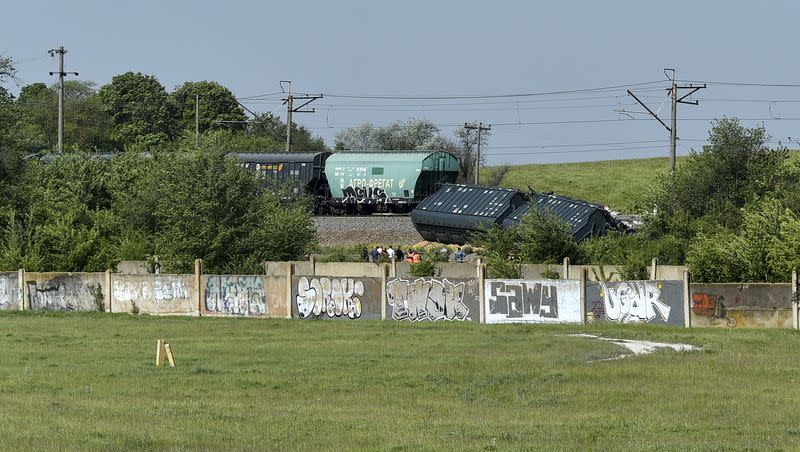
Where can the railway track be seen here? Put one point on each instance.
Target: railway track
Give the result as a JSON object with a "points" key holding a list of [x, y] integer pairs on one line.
{"points": [[386, 229]]}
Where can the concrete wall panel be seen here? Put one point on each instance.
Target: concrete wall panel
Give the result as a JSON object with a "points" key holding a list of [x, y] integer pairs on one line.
{"points": [[432, 299], [275, 291], [154, 294], [533, 301], [234, 295], [635, 301], [336, 298], [10, 295], [64, 291], [348, 269], [741, 305]]}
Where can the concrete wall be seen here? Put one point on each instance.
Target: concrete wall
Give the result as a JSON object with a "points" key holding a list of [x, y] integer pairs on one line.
{"points": [[277, 293], [10, 294], [635, 301], [432, 299], [64, 291], [346, 269], [741, 305], [234, 295], [154, 294], [336, 298], [533, 301], [670, 272]]}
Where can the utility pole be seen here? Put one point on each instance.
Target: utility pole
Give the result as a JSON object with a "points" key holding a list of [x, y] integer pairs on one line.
{"points": [[60, 51], [289, 101], [197, 120], [673, 128], [480, 128]]}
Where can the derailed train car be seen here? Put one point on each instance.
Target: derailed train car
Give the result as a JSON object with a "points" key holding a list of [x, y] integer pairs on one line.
{"points": [[356, 182], [386, 182], [456, 212]]}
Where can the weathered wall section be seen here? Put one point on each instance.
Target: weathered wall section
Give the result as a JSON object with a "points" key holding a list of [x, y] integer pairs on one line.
{"points": [[154, 294], [635, 301], [433, 299], [235, 295], [336, 298], [741, 305], [532, 301], [10, 295], [65, 291]]}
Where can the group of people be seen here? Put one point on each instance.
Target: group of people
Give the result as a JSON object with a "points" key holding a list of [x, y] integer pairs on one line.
{"points": [[381, 254]]}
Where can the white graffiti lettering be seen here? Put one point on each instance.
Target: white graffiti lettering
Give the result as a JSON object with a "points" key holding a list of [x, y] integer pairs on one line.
{"points": [[426, 299], [338, 297], [364, 195], [163, 288], [236, 295], [518, 300], [9, 292], [633, 301]]}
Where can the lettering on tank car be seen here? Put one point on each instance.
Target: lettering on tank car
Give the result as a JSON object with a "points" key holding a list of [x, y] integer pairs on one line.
{"points": [[372, 183]]}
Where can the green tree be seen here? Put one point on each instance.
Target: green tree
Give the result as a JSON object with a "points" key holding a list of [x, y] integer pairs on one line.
{"points": [[414, 134], [709, 188], [217, 103], [764, 248], [139, 109], [545, 238]]}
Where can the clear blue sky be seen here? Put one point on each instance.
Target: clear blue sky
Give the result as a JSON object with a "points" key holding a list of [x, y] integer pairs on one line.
{"points": [[438, 49]]}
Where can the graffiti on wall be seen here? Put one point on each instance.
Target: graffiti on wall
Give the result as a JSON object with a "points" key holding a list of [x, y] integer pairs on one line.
{"points": [[160, 289], [9, 292], [631, 302], [711, 305], [64, 294], [236, 295], [747, 306], [364, 195], [427, 299], [533, 301], [332, 297]]}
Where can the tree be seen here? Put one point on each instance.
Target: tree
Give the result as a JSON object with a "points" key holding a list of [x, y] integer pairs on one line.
{"points": [[467, 150], [764, 248], [415, 134], [545, 238], [710, 187], [7, 69], [139, 109], [86, 124], [38, 124], [217, 103]]}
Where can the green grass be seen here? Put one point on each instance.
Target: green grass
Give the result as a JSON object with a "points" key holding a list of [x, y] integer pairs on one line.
{"points": [[72, 381], [615, 183]]}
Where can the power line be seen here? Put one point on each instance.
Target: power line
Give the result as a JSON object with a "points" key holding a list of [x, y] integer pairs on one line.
{"points": [[495, 96]]}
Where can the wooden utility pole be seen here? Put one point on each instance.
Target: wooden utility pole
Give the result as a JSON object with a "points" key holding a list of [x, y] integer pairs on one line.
{"points": [[480, 128], [61, 74], [673, 128], [289, 101]]}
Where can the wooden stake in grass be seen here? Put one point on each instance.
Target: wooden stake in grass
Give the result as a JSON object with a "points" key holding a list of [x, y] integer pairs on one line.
{"points": [[163, 349]]}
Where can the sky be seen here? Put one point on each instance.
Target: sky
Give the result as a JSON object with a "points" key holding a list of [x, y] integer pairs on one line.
{"points": [[549, 77]]}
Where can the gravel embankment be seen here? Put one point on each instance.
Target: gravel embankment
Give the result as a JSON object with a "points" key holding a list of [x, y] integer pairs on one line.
{"points": [[385, 230]]}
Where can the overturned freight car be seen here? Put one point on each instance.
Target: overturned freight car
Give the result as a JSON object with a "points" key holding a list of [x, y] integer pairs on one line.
{"points": [[455, 212]]}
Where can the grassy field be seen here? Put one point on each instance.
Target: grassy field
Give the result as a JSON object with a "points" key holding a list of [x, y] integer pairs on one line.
{"points": [[615, 183], [89, 381]]}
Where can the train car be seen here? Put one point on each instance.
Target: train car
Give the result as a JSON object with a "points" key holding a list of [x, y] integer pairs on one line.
{"points": [[302, 173], [395, 181]]}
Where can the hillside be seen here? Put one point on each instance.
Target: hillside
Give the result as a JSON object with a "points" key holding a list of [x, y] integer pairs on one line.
{"points": [[614, 183]]}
